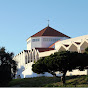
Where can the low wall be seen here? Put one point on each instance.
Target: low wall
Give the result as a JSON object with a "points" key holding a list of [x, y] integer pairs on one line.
{"points": [[27, 73]]}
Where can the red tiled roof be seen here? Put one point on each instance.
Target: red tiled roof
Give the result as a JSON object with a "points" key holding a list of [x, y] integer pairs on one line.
{"points": [[48, 31], [52, 45], [44, 49]]}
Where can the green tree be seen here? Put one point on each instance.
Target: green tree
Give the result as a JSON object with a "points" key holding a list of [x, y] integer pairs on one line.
{"points": [[8, 67], [86, 50], [60, 61], [39, 66]]}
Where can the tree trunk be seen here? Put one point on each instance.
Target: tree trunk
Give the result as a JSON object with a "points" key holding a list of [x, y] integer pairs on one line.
{"points": [[63, 77], [54, 75]]}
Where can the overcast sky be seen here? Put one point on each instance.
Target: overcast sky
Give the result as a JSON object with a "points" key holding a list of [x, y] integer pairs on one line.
{"points": [[19, 19]]}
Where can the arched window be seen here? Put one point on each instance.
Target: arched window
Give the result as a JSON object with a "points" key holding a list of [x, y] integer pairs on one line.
{"points": [[31, 56], [28, 58], [37, 56], [25, 59], [34, 55]]}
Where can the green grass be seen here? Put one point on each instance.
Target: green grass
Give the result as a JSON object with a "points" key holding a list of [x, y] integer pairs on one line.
{"points": [[71, 81]]}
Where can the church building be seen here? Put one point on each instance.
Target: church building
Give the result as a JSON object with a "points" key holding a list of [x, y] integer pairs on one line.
{"points": [[45, 38], [46, 42]]}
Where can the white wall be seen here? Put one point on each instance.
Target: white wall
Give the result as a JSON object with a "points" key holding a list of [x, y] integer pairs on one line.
{"points": [[69, 41], [29, 44], [36, 43], [46, 44], [24, 70], [47, 53], [41, 43], [29, 73], [76, 72]]}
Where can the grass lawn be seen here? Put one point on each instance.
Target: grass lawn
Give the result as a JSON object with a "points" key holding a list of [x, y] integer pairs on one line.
{"points": [[71, 81]]}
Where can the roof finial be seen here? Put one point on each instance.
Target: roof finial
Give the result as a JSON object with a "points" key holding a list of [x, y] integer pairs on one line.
{"points": [[48, 22]]}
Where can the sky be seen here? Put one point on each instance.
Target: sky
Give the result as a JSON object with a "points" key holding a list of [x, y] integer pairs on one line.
{"points": [[20, 19]]}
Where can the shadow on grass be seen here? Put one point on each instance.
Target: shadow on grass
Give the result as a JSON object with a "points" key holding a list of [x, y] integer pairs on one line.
{"points": [[34, 82], [71, 81]]}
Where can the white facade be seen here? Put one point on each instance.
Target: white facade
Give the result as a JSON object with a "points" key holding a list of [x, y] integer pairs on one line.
{"points": [[26, 58], [43, 41], [50, 39]]}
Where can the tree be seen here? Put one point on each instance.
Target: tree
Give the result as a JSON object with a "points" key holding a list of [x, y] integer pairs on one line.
{"points": [[8, 66], [86, 50], [59, 61], [39, 66]]}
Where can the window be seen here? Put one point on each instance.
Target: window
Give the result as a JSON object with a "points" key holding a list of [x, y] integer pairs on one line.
{"points": [[38, 39], [44, 39], [25, 59], [31, 56], [55, 39], [34, 56], [35, 40], [51, 39], [28, 58]]}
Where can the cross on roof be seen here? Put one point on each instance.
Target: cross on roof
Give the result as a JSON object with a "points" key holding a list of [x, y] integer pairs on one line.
{"points": [[48, 22]]}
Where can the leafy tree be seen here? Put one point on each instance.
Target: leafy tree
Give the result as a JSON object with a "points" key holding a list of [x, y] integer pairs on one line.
{"points": [[60, 61], [7, 66], [39, 66], [86, 50]]}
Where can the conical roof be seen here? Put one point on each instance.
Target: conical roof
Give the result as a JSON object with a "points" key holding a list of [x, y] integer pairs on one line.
{"points": [[48, 31]]}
